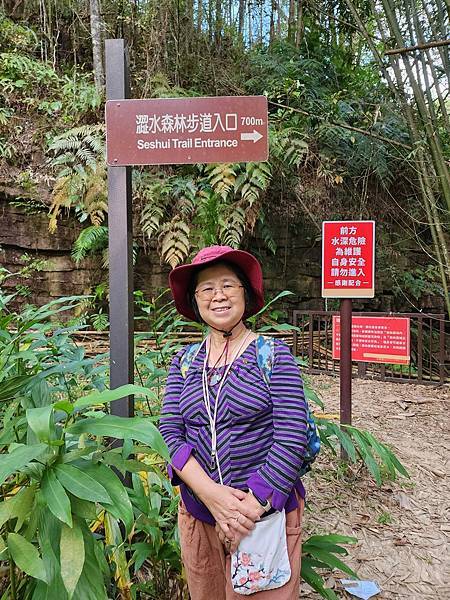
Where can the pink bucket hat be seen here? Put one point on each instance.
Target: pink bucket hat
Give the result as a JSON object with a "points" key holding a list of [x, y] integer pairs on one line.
{"points": [[180, 277]]}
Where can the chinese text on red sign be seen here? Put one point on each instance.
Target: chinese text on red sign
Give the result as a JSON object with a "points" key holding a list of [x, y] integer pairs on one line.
{"points": [[348, 259], [376, 339]]}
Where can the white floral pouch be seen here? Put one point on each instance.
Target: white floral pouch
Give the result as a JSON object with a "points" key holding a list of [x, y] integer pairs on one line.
{"points": [[261, 561]]}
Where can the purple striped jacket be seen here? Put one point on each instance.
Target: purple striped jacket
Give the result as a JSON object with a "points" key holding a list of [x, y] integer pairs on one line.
{"points": [[261, 429]]}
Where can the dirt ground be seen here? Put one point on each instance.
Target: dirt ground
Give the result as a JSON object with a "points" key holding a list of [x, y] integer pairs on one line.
{"points": [[403, 528]]}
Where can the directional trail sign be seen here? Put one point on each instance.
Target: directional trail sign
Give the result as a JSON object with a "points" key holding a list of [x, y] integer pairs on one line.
{"points": [[186, 130]]}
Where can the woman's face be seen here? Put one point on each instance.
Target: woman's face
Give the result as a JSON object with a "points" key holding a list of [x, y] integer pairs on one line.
{"points": [[220, 297]]}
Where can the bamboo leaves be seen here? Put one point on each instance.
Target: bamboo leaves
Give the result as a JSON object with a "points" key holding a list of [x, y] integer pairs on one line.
{"points": [[319, 552], [378, 457]]}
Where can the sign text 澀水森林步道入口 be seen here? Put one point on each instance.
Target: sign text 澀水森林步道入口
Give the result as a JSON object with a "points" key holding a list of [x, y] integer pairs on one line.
{"points": [[186, 130], [185, 144]]}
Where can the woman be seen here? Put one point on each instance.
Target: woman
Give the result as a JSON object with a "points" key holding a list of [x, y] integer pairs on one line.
{"points": [[236, 440]]}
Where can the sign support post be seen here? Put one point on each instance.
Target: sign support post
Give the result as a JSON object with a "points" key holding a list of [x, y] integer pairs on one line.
{"points": [[120, 244], [345, 365]]}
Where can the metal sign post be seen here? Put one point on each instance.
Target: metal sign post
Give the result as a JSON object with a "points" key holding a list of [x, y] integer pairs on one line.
{"points": [[120, 245], [345, 364]]}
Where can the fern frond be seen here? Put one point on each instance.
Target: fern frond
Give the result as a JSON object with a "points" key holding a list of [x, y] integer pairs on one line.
{"points": [[184, 191], [61, 197], [221, 178], [174, 240], [95, 200], [253, 181], [289, 146], [266, 234], [92, 239], [232, 232]]}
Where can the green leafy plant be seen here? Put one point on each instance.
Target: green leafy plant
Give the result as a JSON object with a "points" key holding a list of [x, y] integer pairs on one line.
{"points": [[322, 552], [67, 521]]}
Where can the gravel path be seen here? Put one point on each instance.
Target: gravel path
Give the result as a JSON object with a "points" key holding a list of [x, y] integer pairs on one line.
{"points": [[403, 528]]}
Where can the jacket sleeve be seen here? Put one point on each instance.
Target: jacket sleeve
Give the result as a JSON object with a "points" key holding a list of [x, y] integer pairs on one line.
{"points": [[277, 476], [171, 424]]}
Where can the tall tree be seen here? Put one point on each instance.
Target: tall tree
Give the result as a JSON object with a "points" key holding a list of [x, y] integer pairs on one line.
{"points": [[96, 35]]}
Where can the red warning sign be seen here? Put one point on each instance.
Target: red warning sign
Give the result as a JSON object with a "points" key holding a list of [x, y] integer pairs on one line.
{"points": [[376, 339], [348, 259]]}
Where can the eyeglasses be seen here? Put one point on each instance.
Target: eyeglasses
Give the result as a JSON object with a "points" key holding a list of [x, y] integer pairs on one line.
{"points": [[208, 292]]}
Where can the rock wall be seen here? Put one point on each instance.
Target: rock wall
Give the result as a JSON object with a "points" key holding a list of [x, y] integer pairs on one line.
{"points": [[295, 266]]}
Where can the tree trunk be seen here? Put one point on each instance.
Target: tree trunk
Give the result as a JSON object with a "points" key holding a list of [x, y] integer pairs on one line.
{"points": [[96, 34], [299, 28], [272, 22], [241, 17], [291, 21], [219, 22], [199, 15]]}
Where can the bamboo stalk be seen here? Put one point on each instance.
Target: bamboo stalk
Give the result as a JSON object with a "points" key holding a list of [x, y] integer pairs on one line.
{"points": [[429, 125], [440, 246], [425, 46]]}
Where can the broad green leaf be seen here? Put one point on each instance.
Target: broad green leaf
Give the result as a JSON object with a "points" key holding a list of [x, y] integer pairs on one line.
{"points": [[278, 327], [18, 507], [141, 551], [39, 419], [80, 484], [332, 538], [315, 580], [26, 556], [91, 583], [366, 453], [386, 455], [135, 428], [312, 396], [346, 441], [57, 500], [49, 535], [64, 405], [3, 548], [73, 455], [111, 395], [332, 561], [71, 556], [120, 505], [83, 508], [275, 299], [113, 538], [23, 503], [133, 466], [21, 456]]}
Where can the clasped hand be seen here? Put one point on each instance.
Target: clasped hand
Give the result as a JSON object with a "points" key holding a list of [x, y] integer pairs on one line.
{"points": [[235, 513]]}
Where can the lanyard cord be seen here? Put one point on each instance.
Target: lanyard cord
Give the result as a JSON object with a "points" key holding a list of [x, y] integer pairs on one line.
{"points": [[212, 415]]}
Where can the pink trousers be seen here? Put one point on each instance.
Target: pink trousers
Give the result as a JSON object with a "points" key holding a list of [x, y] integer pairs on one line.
{"points": [[207, 565]]}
